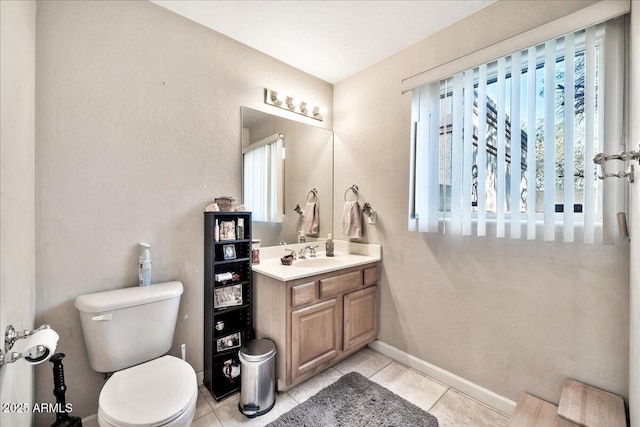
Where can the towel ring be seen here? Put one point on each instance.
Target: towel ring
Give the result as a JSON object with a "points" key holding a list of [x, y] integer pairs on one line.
{"points": [[314, 195], [354, 188]]}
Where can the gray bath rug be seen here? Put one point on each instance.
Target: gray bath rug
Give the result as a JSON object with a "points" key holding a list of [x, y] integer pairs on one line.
{"points": [[354, 401]]}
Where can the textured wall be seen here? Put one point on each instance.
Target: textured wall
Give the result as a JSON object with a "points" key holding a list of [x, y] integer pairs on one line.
{"points": [[511, 316], [17, 240], [138, 130]]}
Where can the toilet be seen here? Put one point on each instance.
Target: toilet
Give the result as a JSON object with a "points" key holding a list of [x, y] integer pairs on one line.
{"points": [[128, 331]]}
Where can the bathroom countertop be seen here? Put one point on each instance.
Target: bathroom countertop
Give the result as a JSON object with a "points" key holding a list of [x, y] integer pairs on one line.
{"points": [[347, 254]]}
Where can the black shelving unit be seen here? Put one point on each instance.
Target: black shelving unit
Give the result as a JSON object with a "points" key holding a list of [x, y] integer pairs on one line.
{"points": [[228, 301]]}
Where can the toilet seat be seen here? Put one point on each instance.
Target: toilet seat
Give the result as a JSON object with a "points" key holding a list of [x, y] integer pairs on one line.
{"points": [[151, 394]]}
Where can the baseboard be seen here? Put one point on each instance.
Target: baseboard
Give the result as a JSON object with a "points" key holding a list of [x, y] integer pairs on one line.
{"points": [[200, 377], [90, 421], [479, 393]]}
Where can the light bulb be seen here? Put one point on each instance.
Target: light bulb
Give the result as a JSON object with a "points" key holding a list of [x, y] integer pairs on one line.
{"points": [[277, 98], [293, 103]]}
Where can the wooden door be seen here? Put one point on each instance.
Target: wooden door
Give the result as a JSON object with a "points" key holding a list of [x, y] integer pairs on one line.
{"points": [[315, 336], [360, 317]]}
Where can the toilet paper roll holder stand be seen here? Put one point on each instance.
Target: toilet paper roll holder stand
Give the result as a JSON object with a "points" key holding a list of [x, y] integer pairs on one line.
{"points": [[34, 354]]}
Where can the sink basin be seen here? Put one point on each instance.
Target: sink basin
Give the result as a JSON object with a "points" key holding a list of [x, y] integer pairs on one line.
{"points": [[271, 264], [316, 262]]}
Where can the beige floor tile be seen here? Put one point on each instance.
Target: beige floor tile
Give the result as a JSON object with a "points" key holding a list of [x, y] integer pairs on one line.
{"points": [[209, 420], [366, 362], [213, 404], [202, 407], [410, 385], [230, 416], [313, 385], [456, 409]]}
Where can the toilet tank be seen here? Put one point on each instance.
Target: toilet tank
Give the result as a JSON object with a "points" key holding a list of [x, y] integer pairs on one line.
{"points": [[129, 326]]}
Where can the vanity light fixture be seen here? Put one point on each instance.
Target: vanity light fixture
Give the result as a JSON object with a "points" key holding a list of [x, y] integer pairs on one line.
{"points": [[290, 103]]}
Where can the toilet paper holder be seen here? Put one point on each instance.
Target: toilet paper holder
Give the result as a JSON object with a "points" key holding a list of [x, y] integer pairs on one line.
{"points": [[36, 354]]}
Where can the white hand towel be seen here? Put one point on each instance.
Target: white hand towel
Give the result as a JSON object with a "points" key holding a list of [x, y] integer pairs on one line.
{"points": [[352, 220], [311, 222]]}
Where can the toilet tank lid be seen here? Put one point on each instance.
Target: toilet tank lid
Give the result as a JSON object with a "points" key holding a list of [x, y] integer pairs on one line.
{"points": [[128, 297]]}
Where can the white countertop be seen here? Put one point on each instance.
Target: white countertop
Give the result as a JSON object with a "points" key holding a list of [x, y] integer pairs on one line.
{"points": [[347, 254]]}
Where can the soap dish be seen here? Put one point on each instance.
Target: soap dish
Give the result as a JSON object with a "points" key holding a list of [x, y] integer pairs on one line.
{"points": [[287, 260]]}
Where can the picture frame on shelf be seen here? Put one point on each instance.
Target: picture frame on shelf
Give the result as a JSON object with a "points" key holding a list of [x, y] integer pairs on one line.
{"points": [[229, 296], [227, 230], [228, 342], [229, 252], [231, 370]]}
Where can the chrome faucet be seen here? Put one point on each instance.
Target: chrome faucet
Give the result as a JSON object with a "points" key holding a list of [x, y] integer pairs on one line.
{"points": [[311, 249], [292, 252]]}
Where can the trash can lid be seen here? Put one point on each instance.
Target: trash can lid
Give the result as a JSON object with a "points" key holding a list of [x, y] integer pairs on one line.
{"points": [[258, 350]]}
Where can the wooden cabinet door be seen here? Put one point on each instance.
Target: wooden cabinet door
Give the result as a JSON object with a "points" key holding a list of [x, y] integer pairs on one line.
{"points": [[360, 317], [315, 336]]}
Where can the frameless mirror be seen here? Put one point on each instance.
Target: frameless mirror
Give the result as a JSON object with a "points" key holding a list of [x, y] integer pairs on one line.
{"points": [[283, 162]]}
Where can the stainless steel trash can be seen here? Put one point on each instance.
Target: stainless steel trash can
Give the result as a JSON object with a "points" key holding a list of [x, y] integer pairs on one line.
{"points": [[257, 372]]}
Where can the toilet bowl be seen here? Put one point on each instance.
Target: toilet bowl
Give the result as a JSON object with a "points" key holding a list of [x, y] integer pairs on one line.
{"points": [[129, 331], [162, 392]]}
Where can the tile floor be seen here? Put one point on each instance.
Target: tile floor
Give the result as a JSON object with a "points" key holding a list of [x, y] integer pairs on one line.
{"points": [[451, 407]]}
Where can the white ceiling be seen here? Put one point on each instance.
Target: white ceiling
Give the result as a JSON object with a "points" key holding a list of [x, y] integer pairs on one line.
{"points": [[331, 40]]}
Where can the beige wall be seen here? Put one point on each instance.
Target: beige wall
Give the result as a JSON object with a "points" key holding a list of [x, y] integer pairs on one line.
{"points": [[510, 316], [17, 240], [634, 141], [138, 130]]}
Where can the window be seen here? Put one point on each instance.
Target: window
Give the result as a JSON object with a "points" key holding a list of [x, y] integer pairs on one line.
{"points": [[263, 169], [510, 143]]}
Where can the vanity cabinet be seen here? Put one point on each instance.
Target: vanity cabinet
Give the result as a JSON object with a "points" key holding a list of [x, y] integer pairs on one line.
{"points": [[360, 318], [316, 321], [315, 332], [228, 298]]}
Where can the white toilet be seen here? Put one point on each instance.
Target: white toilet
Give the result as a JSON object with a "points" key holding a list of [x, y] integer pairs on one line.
{"points": [[126, 331]]}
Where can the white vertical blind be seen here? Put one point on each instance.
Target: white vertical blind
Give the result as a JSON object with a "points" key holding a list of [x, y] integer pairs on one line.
{"points": [[467, 152], [456, 156], [255, 191], [263, 183], [603, 186], [434, 145], [516, 149], [482, 150], [425, 136], [415, 111], [589, 140], [502, 146], [423, 164], [470, 130], [611, 53], [531, 143], [569, 134], [549, 139]]}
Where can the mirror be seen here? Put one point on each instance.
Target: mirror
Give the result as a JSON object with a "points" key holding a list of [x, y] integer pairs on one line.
{"points": [[307, 165]]}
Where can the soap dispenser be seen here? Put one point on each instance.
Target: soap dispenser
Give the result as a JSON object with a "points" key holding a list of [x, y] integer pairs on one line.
{"points": [[329, 245], [301, 237], [144, 265]]}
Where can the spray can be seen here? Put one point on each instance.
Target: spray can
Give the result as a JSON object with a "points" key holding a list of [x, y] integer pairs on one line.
{"points": [[144, 265]]}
